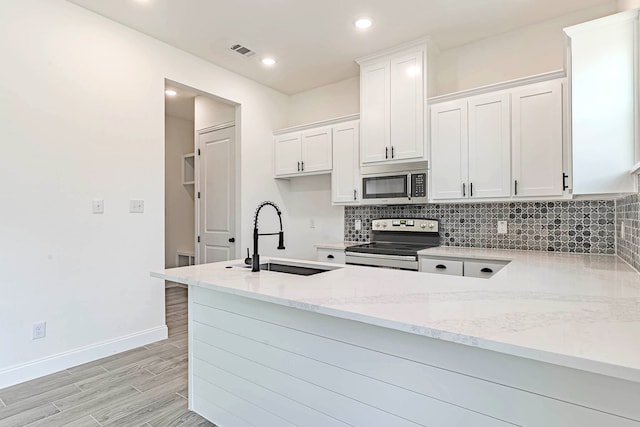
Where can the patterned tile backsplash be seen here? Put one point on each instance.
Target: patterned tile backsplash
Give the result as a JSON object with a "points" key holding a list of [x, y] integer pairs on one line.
{"points": [[628, 211], [582, 226]]}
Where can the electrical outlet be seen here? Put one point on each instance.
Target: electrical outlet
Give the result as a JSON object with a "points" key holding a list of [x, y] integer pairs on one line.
{"points": [[136, 206], [97, 206], [39, 330], [358, 224], [502, 227], [622, 230]]}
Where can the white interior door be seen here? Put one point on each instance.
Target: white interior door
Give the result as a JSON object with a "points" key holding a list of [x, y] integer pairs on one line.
{"points": [[216, 187]]}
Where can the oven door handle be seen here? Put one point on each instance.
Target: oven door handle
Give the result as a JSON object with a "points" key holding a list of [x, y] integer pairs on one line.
{"points": [[381, 256]]}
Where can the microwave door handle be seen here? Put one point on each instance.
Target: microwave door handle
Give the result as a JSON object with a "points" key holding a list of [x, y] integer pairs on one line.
{"points": [[409, 189]]}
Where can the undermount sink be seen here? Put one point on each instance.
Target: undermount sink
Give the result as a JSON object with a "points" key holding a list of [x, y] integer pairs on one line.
{"points": [[297, 268]]}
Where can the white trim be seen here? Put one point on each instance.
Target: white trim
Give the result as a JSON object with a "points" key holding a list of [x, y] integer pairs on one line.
{"points": [[313, 125], [552, 75], [635, 169], [48, 365], [607, 20], [421, 42], [216, 127]]}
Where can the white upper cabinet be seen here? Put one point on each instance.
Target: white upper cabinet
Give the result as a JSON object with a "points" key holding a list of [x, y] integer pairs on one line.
{"points": [[489, 146], [345, 177], [374, 111], [303, 153], [407, 97], [288, 154], [603, 75], [537, 166], [392, 94], [499, 145], [316, 150], [449, 150]]}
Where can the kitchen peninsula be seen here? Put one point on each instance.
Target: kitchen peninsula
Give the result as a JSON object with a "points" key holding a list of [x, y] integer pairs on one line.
{"points": [[550, 340]]}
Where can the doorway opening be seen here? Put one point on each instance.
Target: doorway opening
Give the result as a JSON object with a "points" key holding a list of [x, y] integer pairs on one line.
{"points": [[202, 142]]}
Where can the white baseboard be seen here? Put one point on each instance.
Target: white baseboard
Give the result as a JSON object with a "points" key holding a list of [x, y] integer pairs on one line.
{"points": [[48, 365]]}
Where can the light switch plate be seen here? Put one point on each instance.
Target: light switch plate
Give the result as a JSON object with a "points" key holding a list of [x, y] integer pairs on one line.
{"points": [[97, 206], [358, 224], [502, 227], [136, 206]]}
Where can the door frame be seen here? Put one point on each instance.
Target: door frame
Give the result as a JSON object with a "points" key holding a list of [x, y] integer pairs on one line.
{"points": [[236, 208]]}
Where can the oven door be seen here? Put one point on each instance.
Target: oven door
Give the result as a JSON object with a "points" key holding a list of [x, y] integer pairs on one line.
{"points": [[402, 262], [381, 189]]}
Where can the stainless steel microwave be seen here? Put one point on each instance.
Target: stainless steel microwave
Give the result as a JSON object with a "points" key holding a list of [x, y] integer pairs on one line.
{"points": [[396, 184]]}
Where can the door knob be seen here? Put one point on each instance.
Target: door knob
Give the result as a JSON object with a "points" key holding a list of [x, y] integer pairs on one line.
{"points": [[232, 240]]}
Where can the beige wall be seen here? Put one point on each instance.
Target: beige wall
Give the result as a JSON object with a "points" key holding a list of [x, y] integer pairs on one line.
{"points": [[326, 102], [520, 53], [179, 199], [628, 5], [97, 131], [211, 112]]}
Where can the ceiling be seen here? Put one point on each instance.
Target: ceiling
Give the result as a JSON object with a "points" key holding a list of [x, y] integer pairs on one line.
{"points": [[315, 42]]}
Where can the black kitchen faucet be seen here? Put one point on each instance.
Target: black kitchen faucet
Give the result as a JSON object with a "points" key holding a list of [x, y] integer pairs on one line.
{"points": [[255, 259]]}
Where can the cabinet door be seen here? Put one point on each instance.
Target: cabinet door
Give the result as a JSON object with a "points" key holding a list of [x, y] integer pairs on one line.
{"points": [[537, 139], [604, 110], [489, 146], [374, 112], [287, 154], [449, 155], [316, 150], [407, 97], [345, 177]]}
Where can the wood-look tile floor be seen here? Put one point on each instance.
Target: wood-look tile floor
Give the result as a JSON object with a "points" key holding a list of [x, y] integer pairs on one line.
{"points": [[146, 386]]}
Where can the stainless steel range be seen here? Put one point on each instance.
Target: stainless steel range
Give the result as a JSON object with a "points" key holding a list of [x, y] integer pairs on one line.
{"points": [[395, 243]]}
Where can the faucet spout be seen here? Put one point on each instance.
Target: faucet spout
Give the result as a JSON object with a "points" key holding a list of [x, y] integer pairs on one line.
{"points": [[255, 259]]}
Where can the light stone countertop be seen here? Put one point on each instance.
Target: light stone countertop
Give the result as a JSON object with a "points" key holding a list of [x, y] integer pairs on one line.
{"points": [[579, 311], [337, 245]]}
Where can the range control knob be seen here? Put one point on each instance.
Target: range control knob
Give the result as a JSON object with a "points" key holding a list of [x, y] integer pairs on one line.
{"points": [[384, 225], [423, 225], [432, 225]]}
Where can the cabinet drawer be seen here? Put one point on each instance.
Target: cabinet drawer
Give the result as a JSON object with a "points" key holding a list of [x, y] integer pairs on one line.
{"points": [[482, 269], [330, 255], [441, 266]]}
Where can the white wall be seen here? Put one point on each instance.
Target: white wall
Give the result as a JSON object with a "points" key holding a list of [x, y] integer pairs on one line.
{"points": [[520, 53], [81, 116], [179, 198], [211, 112], [326, 102], [308, 199]]}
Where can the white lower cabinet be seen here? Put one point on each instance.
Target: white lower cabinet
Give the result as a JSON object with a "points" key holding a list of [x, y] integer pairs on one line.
{"points": [[441, 266], [330, 255], [461, 266]]}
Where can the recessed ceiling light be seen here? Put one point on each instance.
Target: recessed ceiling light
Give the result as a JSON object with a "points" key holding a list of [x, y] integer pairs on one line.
{"points": [[170, 92], [269, 61], [363, 23]]}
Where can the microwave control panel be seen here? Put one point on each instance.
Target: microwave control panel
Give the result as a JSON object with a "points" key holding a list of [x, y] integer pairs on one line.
{"points": [[418, 185]]}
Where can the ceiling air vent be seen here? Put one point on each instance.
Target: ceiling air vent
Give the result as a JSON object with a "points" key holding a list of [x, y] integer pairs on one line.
{"points": [[242, 50]]}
